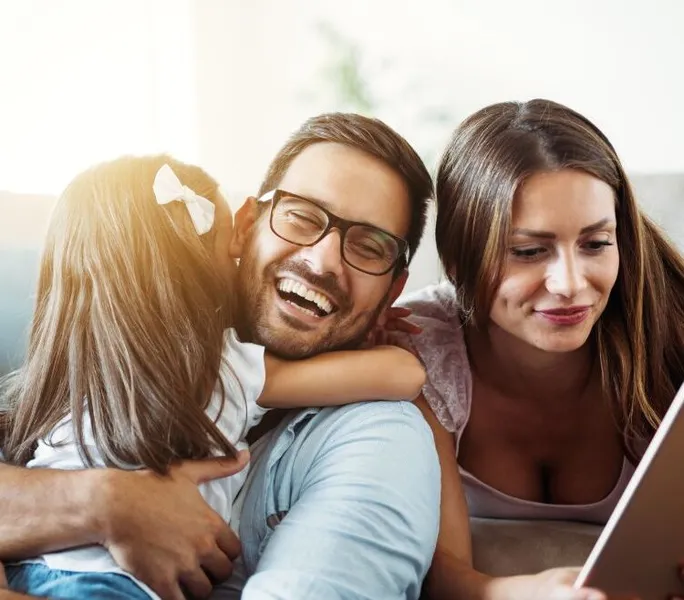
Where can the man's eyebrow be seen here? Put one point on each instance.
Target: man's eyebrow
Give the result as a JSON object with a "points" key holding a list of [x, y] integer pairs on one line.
{"points": [[318, 201], [549, 235], [328, 207]]}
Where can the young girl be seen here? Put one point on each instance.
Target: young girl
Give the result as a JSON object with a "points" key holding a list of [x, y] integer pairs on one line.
{"points": [[133, 361]]}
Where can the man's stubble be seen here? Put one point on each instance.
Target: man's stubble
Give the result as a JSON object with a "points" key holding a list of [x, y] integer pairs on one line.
{"points": [[253, 326]]}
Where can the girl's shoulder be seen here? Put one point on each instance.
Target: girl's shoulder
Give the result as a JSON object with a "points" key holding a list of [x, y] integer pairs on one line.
{"points": [[242, 375]]}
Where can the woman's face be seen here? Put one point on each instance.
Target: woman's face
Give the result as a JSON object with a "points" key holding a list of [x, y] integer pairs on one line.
{"points": [[562, 260]]}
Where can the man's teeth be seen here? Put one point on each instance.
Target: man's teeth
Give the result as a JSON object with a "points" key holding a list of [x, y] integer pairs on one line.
{"points": [[308, 311], [290, 286]]}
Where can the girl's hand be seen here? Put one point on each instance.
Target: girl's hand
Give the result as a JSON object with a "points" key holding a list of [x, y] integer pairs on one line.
{"points": [[393, 321]]}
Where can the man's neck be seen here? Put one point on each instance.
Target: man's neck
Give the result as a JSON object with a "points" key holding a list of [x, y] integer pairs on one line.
{"points": [[270, 421]]}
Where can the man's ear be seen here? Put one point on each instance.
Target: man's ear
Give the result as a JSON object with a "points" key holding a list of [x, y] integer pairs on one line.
{"points": [[245, 218], [394, 292], [397, 287]]}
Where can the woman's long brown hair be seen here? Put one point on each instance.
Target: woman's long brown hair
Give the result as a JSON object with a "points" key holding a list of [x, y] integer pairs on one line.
{"points": [[128, 323], [640, 336]]}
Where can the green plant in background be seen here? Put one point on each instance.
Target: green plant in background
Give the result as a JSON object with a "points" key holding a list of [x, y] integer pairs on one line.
{"points": [[342, 72], [354, 77]]}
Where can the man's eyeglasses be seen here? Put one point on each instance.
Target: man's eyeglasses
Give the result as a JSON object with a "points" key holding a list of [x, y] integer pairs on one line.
{"points": [[301, 221]]}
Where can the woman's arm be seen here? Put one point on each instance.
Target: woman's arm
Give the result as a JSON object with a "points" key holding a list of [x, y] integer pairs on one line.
{"points": [[452, 575], [343, 377]]}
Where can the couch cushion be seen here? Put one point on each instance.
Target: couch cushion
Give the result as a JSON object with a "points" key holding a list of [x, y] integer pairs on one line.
{"points": [[502, 547], [18, 274], [22, 230]]}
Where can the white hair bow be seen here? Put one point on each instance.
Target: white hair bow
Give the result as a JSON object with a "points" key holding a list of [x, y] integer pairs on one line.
{"points": [[168, 188]]}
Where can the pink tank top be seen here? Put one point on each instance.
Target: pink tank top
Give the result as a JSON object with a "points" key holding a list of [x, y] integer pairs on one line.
{"points": [[448, 389]]}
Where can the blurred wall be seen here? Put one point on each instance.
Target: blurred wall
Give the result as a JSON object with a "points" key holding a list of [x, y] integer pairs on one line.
{"points": [[264, 66]]}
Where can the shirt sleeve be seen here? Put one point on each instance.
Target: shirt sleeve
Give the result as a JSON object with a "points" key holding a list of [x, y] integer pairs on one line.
{"points": [[242, 375], [364, 517]]}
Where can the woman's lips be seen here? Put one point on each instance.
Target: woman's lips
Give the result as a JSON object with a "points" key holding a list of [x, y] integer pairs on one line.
{"points": [[565, 316]]}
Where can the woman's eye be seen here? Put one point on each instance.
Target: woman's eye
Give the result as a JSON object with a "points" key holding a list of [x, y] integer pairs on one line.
{"points": [[597, 245], [528, 253]]}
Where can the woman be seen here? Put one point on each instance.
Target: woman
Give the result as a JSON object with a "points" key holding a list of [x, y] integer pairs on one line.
{"points": [[550, 358]]}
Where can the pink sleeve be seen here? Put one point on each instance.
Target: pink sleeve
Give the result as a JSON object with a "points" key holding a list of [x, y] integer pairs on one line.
{"points": [[442, 350]]}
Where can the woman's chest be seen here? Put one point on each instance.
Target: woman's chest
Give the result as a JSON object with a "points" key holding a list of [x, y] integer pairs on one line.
{"points": [[549, 456]]}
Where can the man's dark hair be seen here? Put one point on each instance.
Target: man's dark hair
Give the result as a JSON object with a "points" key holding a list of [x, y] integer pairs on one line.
{"points": [[373, 137]]}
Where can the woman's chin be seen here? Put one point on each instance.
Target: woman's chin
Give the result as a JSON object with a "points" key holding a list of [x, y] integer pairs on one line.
{"points": [[561, 343]]}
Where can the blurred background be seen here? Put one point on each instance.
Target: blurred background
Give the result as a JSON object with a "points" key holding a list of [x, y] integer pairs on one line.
{"points": [[223, 82]]}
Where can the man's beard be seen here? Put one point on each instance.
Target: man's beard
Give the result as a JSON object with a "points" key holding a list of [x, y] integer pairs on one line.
{"points": [[253, 325]]}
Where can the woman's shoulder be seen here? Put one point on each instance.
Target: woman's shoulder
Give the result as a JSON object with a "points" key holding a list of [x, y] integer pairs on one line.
{"points": [[442, 350], [436, 302], [435, 310]]}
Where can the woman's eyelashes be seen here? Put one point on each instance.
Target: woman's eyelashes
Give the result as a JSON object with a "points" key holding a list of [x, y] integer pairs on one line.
{"points": [[529, 253], [598, 245]]}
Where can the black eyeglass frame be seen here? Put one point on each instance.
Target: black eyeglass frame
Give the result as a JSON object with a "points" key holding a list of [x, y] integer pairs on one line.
{"points": [[335, 222]]}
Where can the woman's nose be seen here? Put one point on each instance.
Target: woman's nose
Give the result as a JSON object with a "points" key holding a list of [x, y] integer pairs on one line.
{"points": [[566, 277]]}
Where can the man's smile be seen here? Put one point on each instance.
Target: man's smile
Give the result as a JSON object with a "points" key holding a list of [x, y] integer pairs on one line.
{"points": [[305, 297]]}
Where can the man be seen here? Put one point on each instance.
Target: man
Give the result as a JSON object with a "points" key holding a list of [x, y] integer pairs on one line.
{"points": [[341, 502]]}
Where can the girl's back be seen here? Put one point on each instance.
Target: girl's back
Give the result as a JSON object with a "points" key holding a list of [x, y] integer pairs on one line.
{"points": [[130, 364]]}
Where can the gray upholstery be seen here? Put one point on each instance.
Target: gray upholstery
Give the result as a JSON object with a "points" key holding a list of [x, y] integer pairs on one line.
{"points": [[518, 547], [23, 220], [18, 274]]}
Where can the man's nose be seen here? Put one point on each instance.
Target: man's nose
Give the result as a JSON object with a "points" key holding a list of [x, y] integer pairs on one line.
{"points": [[325, 256], [566, 276]]}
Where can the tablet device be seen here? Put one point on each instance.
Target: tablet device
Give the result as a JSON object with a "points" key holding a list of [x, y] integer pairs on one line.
{"points": [[641, 545]]}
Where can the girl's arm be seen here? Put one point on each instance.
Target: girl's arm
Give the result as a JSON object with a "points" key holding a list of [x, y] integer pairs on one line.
{"points": [[342, 377]]}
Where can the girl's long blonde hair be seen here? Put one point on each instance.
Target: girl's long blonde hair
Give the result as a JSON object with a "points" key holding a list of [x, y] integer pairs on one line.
{"points": [[128, 323]]}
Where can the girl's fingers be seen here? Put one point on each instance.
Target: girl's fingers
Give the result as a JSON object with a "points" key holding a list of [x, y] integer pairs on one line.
{"points": [[398, 312], [403, 325]]}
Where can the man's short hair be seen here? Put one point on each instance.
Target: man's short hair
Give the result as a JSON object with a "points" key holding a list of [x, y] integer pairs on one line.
{"points": [[373, 137]]}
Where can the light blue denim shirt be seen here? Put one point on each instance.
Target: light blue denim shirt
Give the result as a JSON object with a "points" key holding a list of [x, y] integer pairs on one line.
{"points": [[341, 503]]}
